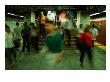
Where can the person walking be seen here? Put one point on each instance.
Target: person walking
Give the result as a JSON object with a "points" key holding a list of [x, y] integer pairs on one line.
{"points": [[25, 33], [10, 52], [53, 44], [17, 34], [67, 30], [94, 34], [86, 45], [34, 37]]}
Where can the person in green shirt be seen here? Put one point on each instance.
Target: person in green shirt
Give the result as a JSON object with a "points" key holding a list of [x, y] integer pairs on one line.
{"points": [[54, 41]]}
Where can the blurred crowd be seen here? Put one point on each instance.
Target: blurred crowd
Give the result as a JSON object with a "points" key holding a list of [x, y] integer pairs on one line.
{"points": [[54, 35]]}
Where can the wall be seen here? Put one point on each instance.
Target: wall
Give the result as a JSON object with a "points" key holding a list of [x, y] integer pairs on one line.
{"points": [[85, 19], [102, 34], [12, 23]]}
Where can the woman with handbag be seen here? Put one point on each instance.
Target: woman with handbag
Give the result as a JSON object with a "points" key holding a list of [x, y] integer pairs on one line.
{"points": [[10, 52]]}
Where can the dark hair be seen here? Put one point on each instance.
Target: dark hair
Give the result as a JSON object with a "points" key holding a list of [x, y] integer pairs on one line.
{"points": [[81, 25], [25, 24], [87, 28], [7, 27], [32, 23], [17, 23], [93, 26]]}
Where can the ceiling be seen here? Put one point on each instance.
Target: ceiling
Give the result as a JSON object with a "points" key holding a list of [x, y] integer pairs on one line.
{"points": [[23, 9]]}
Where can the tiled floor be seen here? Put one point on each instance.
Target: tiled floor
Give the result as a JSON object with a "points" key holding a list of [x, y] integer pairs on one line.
{"points": [[35, 61]]}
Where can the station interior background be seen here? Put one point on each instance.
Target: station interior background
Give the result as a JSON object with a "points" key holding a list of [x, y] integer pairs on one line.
{"points": [[81, 14]]}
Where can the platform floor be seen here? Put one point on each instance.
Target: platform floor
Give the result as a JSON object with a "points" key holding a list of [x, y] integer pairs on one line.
{"points": [[35, 61]]}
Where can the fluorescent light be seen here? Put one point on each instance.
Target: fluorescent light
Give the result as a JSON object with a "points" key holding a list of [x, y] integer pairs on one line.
{"points": [[16, 15], [91, 15], [12, 14], [94, 14], [9, 13], [104, 11], [21, 16], [97, 13]]}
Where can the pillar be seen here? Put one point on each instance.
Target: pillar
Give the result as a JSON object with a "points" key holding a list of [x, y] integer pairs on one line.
{"points": [[29, 17], [33, 17], [78, 18], [83, 18]]}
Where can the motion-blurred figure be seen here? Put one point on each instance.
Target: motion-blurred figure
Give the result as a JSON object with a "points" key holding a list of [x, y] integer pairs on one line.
{"points": [[17, 35], [54, 43], [25, 33], [80, 30], [94, 33], [34, 37], [86, 45], [10, 52], [68, 26]]}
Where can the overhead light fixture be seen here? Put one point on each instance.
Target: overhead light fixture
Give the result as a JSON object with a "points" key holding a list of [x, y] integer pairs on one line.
{"points": [[97, 13], [90, 15], [16, 15], [9, 13], [94, 14], [12, 14], [104, 11], [21, 16]]}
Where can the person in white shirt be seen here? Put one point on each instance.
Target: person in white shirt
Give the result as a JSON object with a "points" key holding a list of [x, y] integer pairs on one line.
{"points": [[94, 33], [68, 26], [9, 46], [17, 35]]}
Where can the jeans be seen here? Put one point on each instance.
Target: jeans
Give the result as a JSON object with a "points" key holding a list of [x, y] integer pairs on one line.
{"points": [[85, 49], [26, 44]]}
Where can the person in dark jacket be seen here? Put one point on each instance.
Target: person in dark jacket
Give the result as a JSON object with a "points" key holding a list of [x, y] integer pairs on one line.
{"points": [[26, 38], [34, 37]]}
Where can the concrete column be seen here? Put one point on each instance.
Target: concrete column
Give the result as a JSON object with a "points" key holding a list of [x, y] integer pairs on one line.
{"points": [[78, 18], [29, 17], [33, 17], [85, 19]]}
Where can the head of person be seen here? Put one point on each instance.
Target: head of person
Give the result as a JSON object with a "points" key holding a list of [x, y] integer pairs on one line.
{"points": [[7, 28], [17, 24], [25, 24], [88, 29], [50, 26], [93, 26], [81, 26]]}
